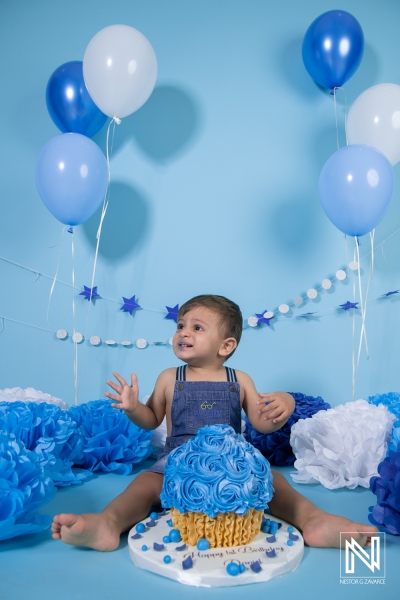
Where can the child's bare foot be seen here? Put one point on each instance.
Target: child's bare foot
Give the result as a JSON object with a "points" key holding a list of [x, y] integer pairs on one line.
{"points": [[91, 530], [322, 530]]}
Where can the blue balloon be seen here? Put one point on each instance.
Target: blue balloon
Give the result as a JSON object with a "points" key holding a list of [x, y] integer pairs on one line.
{"points": [[69, 103], [333, 47], [71, 177], [356, 187]]}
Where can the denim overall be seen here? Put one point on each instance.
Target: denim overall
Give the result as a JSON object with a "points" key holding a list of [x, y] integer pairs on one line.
{"points": [[199, 403]]}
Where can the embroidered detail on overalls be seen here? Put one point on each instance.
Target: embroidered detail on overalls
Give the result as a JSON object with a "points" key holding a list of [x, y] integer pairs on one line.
{"points": [[206, 405]]}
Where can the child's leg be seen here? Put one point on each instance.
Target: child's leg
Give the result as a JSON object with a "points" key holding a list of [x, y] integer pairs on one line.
{"points": [[102, 531], [319, 528]]}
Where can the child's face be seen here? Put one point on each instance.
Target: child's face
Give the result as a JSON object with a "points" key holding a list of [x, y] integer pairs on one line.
{"points": [[198, 339]]}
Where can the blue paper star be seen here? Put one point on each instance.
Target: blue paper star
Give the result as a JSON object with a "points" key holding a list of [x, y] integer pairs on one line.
{"points": [[308, 314], [90, 293], [390, 293], [348, 305], [262, 319], [129, 304], [172, 313]]}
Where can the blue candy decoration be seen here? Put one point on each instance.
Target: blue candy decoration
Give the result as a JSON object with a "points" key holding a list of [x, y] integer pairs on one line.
{"points": [[276, 446], [158, 547], [256, 567], [140, 527], [233, 569], [154, 516], [290, 542], [293, 537], [136, 536], [169, 522], [271, 553], [242, 568], [151, 523], [290, 529], [203, 544], [174, 535], [167, 559], [180, 548], [166, 539], [271, 539], [144, 548], [333, 47], [187, 563], [24, 488], [111, 442]]}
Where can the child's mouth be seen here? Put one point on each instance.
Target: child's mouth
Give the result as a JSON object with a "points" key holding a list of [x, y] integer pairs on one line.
{"points": [[183, 345]]}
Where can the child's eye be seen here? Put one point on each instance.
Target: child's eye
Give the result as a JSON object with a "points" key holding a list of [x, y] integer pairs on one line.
{"points": [[198, 328], [180, 326]]}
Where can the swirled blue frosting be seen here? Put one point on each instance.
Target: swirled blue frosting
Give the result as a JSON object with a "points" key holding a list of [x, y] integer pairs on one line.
{"points": [[216, 471]]}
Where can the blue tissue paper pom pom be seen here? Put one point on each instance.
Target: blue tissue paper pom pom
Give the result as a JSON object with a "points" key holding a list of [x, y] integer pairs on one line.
{"points": [[391, 400], [111, 442], [395, 439], [276, 446], [24, 488], [51, 434], [386, 513]]}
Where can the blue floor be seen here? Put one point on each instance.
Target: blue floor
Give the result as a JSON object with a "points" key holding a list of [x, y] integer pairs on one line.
{"points": [[37, 567]]}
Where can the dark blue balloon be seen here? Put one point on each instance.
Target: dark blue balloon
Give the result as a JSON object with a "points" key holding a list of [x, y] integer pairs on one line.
{"points": [[333, 47], [69, 103]]}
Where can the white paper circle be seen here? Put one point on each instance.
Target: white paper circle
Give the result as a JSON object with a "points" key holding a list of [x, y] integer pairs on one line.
{"points": [[283, 308], [62, 334], [311, 293], [95, 340], [252, 321], [141, 343], [110, 342], [341, 275], [326, 284], [353, 265], [298, 300], [268, 315], [171, 341], [77, 337], [126, 343]]}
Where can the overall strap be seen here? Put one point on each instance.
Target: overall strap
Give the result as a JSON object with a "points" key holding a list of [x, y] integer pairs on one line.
{"points": [[181, 373], [231, 375]]}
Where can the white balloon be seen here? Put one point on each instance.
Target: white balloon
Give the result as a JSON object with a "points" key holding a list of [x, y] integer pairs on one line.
{"points": [[374, 119], [119, 69]]}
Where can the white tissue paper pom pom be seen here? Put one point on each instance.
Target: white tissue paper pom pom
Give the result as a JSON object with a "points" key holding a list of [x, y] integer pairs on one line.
{"points": [[30, 395], [342, 446]]}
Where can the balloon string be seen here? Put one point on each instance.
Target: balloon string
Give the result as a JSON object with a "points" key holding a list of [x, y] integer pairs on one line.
{"points": [[73, 323], [353, 360], [345, 114], [363, 306], [113, 121], [55, 277]]}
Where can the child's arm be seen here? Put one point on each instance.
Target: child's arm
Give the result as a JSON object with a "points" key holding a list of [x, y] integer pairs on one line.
{"points": [[268, 413], [147, 416]]}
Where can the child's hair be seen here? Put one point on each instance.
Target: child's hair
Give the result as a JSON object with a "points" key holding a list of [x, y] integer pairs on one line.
{"points": [[231, 320]]}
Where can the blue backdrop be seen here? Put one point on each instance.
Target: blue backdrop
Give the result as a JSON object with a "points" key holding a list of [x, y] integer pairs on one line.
{"points": [[214, 190]]}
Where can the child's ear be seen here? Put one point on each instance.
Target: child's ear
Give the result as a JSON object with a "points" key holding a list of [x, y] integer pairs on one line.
{"points": [[228, 346]]}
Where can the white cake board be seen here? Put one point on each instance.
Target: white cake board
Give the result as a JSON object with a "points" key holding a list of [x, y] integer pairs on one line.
{"points": [[209, 566]]}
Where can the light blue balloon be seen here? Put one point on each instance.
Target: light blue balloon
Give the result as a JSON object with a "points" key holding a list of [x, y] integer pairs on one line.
{"points": [[71, 177], [356, 187]]}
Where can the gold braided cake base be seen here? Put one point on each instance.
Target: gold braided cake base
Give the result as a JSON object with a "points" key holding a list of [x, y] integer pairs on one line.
{"points": [[223, 531]]}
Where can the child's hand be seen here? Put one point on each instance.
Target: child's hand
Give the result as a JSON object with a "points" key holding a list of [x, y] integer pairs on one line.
{"points": [[277, 406], [128, 395]]}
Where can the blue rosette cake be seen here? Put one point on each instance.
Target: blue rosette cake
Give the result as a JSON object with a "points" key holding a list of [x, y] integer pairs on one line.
{"points": [[217, 486]]}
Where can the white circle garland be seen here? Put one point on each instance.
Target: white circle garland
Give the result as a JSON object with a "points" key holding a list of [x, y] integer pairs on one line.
{"points": [[141, 343], [62, 334], [283, 308], [252, 321], [312, 293], [341, 275], [326, 284], [77, 337], [95, 340]]}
